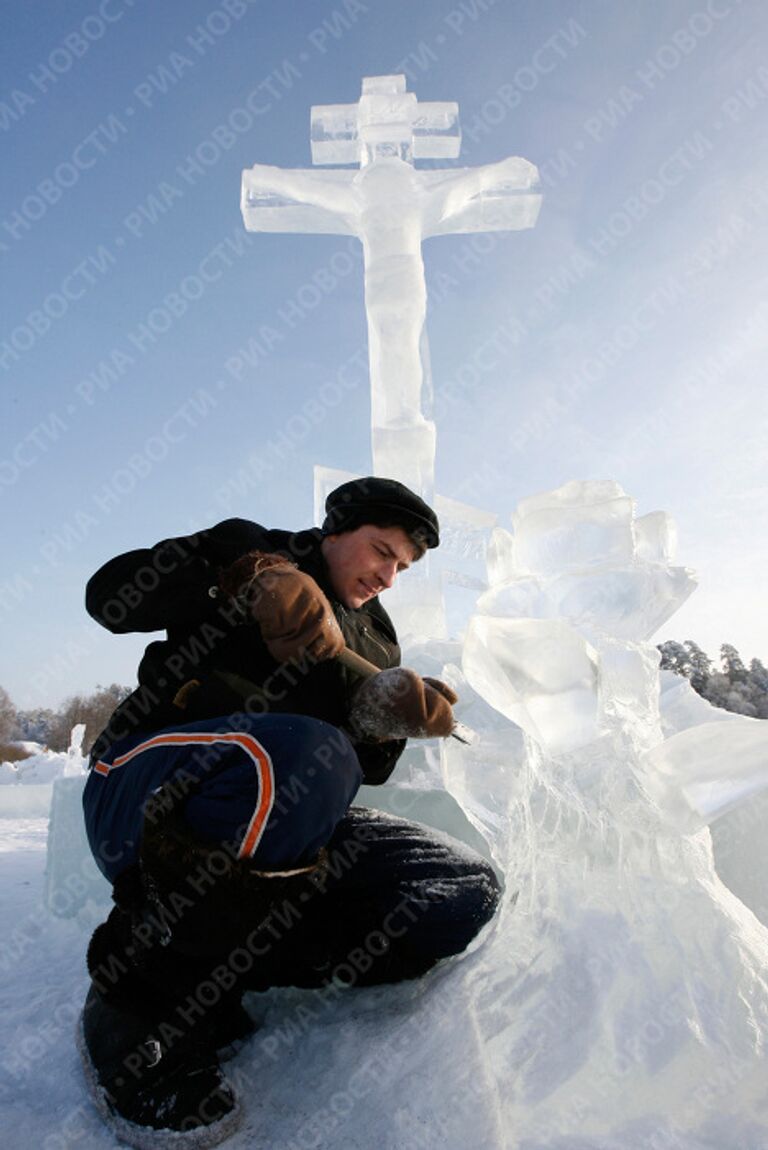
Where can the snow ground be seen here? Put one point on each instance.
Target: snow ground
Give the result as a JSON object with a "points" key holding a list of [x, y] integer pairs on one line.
{"points": [[43, 985], [445, 1062], [317, 1073]]}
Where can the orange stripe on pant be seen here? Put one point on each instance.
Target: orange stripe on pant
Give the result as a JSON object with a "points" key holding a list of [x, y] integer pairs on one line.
{"points": [[252, 748]]}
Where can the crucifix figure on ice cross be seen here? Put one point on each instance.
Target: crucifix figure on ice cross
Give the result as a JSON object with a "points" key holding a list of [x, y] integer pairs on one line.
{"points": [[391, 207]]}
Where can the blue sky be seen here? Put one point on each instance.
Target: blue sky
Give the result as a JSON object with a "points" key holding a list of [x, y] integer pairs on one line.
{"points": [[151, 348]]}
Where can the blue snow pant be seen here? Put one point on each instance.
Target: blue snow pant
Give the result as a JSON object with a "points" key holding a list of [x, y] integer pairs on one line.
{"points": [[313, 891], [273, 786]]}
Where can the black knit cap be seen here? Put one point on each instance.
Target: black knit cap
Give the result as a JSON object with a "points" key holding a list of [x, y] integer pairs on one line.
{"points": [[380, 501]]}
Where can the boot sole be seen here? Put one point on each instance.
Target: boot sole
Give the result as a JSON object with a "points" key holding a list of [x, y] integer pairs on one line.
{"points": [[147, 1137]]}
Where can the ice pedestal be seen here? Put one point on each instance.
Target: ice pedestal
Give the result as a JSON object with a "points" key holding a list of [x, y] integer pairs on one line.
{"points": [[72, 879], [622, 997]]}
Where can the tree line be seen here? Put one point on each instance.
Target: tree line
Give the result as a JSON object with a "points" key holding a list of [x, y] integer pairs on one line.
{"points": [[733, 687], [53, 728]]}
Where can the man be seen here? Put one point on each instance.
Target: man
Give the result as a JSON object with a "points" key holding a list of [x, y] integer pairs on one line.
{"points": [[219, 801]]}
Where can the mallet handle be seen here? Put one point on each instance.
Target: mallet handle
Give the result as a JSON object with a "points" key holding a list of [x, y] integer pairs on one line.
{"points": [[358, 664]]}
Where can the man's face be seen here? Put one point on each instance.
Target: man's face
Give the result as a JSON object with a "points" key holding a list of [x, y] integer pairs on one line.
{"points": [[366, 561]]}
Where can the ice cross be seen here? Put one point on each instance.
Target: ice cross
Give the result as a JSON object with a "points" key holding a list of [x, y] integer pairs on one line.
{"points": [[391, 207]]}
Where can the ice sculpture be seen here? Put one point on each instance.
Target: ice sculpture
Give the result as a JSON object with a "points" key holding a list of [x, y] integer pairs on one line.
{"points": [[391, 207], [623, 999]]}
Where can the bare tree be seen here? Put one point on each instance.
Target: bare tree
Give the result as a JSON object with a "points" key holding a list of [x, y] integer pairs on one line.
{"points": [[94, 710]]}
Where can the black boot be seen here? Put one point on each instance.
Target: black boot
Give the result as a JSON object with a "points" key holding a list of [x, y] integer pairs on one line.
{"points": [[154, 1084]]}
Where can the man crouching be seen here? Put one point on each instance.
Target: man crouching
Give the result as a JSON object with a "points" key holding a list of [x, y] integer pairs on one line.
{"points": [[219, 800]]}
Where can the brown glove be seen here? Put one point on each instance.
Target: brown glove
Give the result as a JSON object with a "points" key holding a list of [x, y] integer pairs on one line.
{"points": [[293, 614], [399, 704]]}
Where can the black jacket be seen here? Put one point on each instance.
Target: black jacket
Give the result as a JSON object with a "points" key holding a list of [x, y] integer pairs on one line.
{"points": [[213, 661]]}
